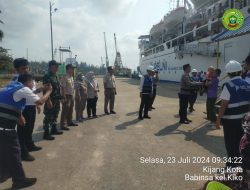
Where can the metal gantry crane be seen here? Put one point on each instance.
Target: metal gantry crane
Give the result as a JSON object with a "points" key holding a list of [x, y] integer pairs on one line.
{"points": [[107, 59], [118, 67]]}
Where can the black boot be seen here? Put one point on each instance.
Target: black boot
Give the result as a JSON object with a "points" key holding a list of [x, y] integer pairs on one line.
{"points": [[26, 182], [27, 157], [32, 147], [47, 136], [4, 175], [54, 131]]}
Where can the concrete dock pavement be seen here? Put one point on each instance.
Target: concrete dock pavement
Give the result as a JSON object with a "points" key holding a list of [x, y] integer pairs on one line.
{"points": [[112, 152]]}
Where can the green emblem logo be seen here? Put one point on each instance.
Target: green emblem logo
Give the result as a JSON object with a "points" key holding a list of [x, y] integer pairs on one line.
{"points": [[233, 19]]}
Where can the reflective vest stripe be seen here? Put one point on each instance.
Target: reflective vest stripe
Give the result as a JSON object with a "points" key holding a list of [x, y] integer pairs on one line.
{"points": [[13, 108], [238, 104], [9, 111], [234, 116], [237, 110], [8, 117]]}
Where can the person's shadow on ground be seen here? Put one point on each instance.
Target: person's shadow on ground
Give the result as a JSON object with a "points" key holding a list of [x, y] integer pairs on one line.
{"points": [[199, 135], [125, 125]]}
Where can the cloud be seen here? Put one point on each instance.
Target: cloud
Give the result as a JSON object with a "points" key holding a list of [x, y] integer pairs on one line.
{"points": [[78, 23], [113, 7]]}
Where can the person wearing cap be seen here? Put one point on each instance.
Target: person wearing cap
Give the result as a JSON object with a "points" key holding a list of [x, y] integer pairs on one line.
{"points": [[109, 91], [27, 145], [185, 91], [67, 84], [194, 90], [52, 107], [155, 82], [234, 105], [146, 93], [13, 100]]}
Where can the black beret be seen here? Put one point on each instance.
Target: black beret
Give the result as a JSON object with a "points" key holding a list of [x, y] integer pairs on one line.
{"points": [[70, 66], [19, 62], [110, 68], [53, 62], [186, 66]]}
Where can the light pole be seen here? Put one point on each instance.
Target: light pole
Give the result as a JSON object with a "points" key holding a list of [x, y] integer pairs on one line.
{"points": [[51, 31], [76, 61]]}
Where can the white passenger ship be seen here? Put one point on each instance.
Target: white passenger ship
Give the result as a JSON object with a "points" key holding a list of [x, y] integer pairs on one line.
{"points": [[193, 33]]}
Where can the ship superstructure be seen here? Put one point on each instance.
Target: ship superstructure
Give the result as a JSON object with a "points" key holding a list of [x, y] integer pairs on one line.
{"points": [[193, 33]]}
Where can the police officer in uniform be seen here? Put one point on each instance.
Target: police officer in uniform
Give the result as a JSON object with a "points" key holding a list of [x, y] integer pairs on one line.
{"points": [[146, 92], [52, 107], [193, 91], [184, 94], [12, 101], [234, 104]]}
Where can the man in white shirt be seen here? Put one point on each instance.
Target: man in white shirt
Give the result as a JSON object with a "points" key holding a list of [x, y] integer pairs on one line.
{"points": [[29, 113], [13, 99], [235, 98]]}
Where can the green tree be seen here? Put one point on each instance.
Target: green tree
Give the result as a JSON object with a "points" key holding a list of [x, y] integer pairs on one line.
{"points": [[6, 60], [6, 65]]}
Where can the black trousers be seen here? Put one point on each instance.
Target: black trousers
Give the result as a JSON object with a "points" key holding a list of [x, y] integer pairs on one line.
{"points": [[153, 98], [192, 99], [145, 102], [232, 135], [25, 132], [91, 106], [210, 105], [183, 105], [10, 156]]}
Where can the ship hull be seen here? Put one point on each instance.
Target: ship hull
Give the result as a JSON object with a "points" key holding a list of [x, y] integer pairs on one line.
{"points": [[169, 62]]}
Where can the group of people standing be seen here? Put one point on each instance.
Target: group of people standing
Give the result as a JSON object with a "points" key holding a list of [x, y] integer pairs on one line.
{"points": [[19, 104], [208, 83], [234, 105]]}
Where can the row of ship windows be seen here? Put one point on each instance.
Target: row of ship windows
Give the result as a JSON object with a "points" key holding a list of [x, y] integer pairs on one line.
{"points": [[202, 33], [241, 3]]}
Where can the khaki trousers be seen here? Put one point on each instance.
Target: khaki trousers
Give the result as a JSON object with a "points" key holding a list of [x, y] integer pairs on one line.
{"points": [[67, 110], [109, 99], [80, 107]]}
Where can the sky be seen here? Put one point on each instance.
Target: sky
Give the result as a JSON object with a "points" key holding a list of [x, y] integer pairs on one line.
{"points": [[79, 24]]}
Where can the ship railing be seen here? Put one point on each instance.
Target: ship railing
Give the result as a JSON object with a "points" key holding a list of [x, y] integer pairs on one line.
{"points": [[205, 49]]}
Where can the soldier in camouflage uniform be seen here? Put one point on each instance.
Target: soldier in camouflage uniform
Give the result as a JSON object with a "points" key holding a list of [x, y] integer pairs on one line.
{"points": [[52, 108]]}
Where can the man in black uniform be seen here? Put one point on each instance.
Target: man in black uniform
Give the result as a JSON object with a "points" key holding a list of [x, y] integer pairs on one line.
{"points": [[186, 86]]}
